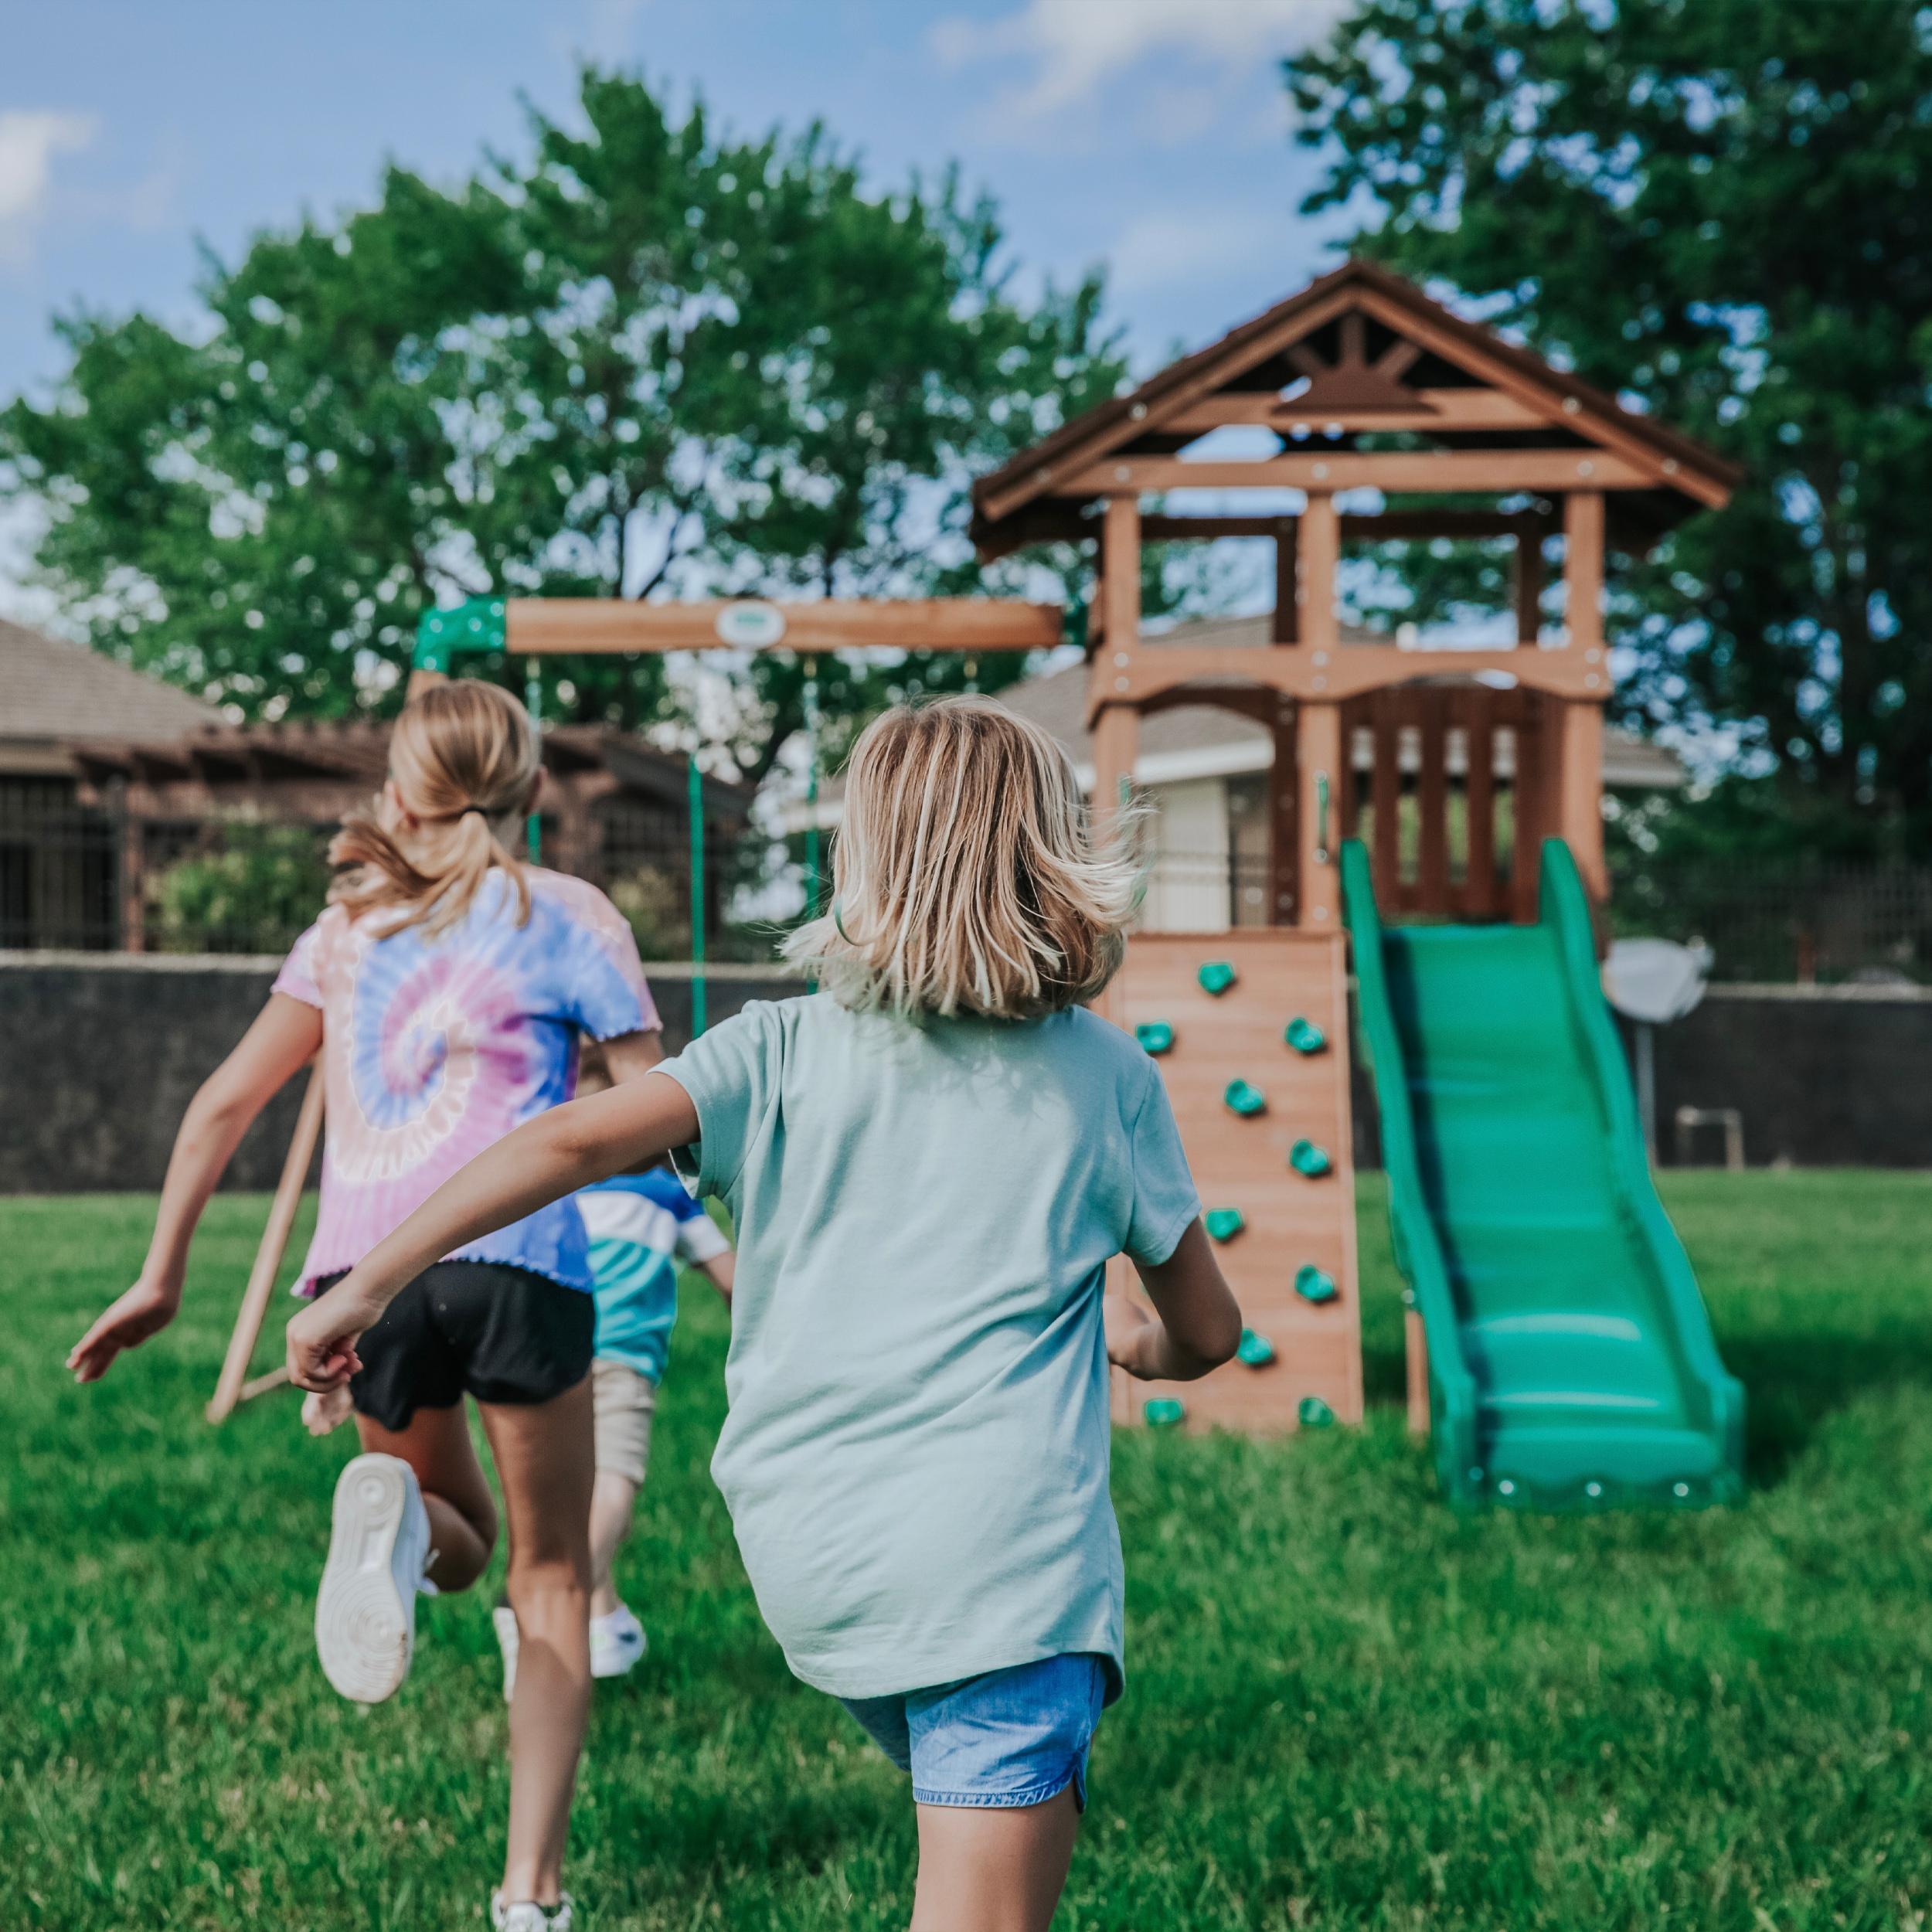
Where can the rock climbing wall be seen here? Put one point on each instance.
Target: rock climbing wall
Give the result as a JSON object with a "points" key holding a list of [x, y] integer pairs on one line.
{"points": [[1267, 1132]]}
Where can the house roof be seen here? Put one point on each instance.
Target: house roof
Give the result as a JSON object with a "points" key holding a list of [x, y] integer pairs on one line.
{"points": [[1250, 357], [51, 690]]}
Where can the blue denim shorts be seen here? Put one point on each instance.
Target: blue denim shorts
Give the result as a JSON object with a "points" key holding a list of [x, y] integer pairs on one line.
{"points": [[1009, 1738]]}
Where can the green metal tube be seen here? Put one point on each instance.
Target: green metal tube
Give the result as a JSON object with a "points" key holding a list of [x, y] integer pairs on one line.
{"points": [[695, 785]]}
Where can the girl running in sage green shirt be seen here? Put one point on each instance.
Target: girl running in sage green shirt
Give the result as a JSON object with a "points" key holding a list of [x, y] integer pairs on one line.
{"points": [[929, 1166]]}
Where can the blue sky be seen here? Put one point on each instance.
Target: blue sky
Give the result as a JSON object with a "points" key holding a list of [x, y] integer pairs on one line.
{"points": [[1151, 135]]}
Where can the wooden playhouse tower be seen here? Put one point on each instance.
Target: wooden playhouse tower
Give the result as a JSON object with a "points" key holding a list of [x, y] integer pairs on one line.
{"points": [[1452, 766]]}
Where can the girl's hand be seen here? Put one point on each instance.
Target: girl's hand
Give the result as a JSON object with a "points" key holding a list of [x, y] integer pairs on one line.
{"points": [[321, 1340], [1126, 1326], [145, 1309]]}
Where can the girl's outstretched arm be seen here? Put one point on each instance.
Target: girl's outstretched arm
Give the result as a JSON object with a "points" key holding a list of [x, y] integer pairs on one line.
{"points": [[1199, 1326], [286, 1035], [546, 1158]]}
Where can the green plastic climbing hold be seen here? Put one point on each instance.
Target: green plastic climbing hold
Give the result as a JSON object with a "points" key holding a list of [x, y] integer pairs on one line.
{"points": [[1255, 1350], [1305, 1036], [1155, 1036], [1312, 1412], [1216, 977], [1163, 1412], [1305, 1158], [1224, 1224], [1314, 1284], [1245, 1099]]}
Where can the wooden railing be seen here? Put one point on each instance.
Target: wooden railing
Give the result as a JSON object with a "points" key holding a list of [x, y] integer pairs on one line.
{"points": [[1460, 782]]}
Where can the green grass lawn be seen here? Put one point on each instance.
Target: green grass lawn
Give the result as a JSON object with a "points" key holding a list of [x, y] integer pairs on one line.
{"points": [[1347, 1706]]}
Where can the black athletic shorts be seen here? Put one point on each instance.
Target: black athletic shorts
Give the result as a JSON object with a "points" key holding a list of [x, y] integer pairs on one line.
{"points": [[476, 1328]]}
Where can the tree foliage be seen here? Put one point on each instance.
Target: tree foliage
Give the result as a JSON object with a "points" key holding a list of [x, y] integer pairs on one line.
{"points": [[1720, 208], [645, 357]]}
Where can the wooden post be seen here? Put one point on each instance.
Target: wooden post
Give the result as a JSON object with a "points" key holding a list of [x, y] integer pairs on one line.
{"points": [[1319, 778], [1320, 772], [1584, 571], [1579, 820], [1320, 552], [1417, 1338], [1286, 628], [1116, 729], [1528, 579], [1573, 743], [1432, 802], [1282, 844], [230, 1390], [1479, 804], [1384, 797], [133, 879]]}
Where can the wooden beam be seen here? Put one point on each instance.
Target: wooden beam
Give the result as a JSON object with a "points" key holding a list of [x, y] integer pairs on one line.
{"points": [[1615, 435], [1433, 409], [1215, 373], [1062, 521], [1319, 624], [1308, 670], [1492, 472], [542, 626], [1432, 801]]}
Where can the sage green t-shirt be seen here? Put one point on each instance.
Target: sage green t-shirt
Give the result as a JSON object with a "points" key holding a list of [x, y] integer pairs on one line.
{"points": [[916, 1457]]}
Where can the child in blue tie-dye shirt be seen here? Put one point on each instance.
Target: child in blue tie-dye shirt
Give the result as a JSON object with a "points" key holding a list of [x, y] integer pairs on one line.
{"points": [[643, 1228]]}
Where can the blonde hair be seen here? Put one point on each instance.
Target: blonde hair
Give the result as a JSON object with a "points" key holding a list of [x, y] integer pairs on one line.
{"points": [[965, 877], [463, 755]]}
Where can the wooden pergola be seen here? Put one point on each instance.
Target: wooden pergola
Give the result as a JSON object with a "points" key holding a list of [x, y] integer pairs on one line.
{"points": [[1366, 383]]}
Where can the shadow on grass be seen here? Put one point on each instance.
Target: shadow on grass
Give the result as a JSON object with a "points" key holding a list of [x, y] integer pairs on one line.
{"points": [[1794, 1383]]}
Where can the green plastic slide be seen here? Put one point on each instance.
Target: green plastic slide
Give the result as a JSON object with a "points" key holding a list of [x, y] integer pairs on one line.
{"points": [[1571, 1359]]}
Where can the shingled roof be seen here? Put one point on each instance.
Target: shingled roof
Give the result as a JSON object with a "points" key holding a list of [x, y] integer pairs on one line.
{"points": [[53, 690]]}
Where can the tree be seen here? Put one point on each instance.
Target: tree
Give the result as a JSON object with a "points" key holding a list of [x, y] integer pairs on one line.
{"points": [[645, 357], [1718, 208]]}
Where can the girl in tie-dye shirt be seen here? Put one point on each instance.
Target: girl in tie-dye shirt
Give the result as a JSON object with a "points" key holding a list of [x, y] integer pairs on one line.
{"points": [[446, 989]]}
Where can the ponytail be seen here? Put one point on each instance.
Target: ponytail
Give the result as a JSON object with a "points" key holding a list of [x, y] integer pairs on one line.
{"points": [[463, 756]]}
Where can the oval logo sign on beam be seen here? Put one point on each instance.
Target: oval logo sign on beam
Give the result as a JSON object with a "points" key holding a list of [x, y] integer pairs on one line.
{"points": [[750, 624]]}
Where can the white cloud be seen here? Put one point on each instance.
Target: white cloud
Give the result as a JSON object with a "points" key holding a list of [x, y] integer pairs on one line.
{"points": [[30, 139], [1076, 46], [1160, 249]]}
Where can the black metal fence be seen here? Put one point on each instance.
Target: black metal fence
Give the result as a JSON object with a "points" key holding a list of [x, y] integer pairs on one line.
{"points": [[1791, 923], [85, 877]]}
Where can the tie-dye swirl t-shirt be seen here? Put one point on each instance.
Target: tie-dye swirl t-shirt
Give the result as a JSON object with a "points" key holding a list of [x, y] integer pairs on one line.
{"points": [[434, 1048]]}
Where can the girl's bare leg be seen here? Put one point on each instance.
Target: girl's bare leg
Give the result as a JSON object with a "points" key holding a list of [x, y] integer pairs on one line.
{"points": [[544, 1461], [612, 1502], [989, 1868], [456, 1494]]}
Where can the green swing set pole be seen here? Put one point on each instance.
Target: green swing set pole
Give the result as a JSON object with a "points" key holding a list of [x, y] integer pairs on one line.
{"points": [[813, 877], [695, 785], [533, 703]]}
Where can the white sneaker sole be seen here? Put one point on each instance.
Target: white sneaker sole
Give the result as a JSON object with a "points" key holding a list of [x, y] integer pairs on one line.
{"points": [[365, 1614]]}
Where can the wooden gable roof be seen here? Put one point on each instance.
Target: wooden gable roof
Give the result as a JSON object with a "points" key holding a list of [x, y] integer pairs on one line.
{"points": [[1364, 344]]}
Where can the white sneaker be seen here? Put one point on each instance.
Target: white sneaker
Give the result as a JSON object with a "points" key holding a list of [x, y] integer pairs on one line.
{"points": [[527, 1916], [365, 1611], [507, 1637], [617, 1643]]}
